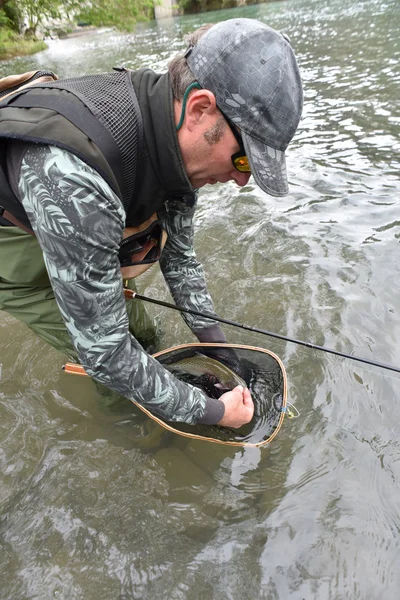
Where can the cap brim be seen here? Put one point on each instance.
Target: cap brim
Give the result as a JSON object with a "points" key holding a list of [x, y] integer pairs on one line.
{"points": [[268, 166]]}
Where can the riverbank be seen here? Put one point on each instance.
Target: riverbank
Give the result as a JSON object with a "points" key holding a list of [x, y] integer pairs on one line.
{"points": [[12, 45]]}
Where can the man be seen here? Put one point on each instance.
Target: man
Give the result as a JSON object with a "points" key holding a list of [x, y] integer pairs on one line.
{"points": [[92, 159]]}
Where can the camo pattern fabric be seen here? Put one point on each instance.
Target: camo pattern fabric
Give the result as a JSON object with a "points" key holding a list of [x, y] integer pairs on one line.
{"points": [[185, 279], [78, 221]]}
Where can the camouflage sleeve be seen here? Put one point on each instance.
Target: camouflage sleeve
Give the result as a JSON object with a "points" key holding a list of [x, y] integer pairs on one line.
{"points": [[184, 274], [78, 222]]}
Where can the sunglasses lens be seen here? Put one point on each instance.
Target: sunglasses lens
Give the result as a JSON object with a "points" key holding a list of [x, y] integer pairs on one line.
{"points": [[242, 164]]}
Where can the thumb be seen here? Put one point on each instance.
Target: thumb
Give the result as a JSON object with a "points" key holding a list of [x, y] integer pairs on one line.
{"points": [[247, 400], [238, 390]]}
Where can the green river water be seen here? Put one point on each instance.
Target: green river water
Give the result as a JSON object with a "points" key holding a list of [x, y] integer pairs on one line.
{"points": [[100, 504]]}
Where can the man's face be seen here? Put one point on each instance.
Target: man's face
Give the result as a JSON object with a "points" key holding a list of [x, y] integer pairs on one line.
{"points": [[207, 154]]}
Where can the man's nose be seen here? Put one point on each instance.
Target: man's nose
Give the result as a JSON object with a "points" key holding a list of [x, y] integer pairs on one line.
{"points": [[239, 178]]}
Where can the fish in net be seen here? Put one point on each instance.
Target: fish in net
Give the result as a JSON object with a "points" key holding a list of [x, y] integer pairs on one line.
{"points": [[216, 368]]}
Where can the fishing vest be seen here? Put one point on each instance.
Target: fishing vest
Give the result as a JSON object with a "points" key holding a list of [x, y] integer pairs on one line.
{"points": [[96, 117]]}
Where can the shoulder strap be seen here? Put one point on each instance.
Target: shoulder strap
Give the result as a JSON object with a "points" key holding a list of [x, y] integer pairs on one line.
{"points": [[9, 217], [9, 85], [9, 200]]}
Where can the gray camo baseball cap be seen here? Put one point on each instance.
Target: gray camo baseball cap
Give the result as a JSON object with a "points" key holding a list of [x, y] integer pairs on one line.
{"points": [[252, 71]]}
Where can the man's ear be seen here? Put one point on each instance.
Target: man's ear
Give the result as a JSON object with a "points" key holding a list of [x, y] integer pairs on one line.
{"points": [[200, 106]]}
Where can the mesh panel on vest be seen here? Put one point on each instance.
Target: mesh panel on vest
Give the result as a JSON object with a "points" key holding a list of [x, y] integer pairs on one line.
{"points": [[112, 99]]}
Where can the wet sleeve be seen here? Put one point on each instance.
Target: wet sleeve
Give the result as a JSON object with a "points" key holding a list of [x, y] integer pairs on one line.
{"points": [[184, 274], [78, 222]]}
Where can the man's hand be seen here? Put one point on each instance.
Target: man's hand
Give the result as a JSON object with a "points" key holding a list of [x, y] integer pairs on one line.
{"points": [[239, 407]]}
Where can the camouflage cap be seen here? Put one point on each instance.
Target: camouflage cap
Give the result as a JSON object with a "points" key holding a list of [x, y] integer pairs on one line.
{"points": [[252, 71]]}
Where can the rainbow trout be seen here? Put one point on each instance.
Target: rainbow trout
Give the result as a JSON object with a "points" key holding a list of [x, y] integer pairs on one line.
{"points": [[209, 371]]}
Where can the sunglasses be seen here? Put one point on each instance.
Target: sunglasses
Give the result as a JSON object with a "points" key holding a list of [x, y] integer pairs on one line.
{"points": [[141, 248], [239, 160]]}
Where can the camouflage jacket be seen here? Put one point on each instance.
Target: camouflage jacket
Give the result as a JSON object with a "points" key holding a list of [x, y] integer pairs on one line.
{"points": [[78, 221]]}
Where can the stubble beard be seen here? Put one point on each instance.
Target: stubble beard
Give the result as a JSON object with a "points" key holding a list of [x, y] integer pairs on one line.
{"points": [[212, 136], [216, 131]]}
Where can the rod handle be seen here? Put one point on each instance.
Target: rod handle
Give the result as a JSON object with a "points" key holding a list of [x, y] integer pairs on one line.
{"points": [[129, 293], [74, 369]]}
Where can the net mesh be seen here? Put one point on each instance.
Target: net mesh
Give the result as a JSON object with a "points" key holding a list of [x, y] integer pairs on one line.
{"points": [[261, 372]]}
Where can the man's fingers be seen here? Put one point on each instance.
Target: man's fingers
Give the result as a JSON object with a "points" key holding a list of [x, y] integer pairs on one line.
{"points": [[246, 396], [247, 400], [238, 388], [239, 408]]}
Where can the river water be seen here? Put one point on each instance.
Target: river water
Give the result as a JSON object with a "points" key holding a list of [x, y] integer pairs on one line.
{"points": [[102, 504]]}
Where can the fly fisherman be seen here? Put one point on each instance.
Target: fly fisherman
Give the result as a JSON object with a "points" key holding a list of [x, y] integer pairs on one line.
{"points": [[104, 169]]}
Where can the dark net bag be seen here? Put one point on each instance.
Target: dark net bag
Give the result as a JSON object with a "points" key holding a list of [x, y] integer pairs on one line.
{"points": [[262, 372]]}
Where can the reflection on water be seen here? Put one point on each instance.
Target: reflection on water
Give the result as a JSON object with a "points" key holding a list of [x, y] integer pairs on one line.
{"points": [[100, 503]]}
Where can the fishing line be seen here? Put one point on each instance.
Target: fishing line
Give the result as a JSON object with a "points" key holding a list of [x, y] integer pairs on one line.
{"points": [[291, 411], [132, 295]]}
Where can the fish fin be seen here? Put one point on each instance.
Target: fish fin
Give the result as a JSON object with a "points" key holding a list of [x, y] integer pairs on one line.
{"points": [[221, 386]]}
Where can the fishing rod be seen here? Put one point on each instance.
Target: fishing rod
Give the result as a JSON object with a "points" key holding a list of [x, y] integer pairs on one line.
{"points": [[134, 295]]}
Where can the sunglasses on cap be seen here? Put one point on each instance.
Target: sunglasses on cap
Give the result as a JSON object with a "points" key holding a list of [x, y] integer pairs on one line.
{"points": [[239, 160], [142, 248]]}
